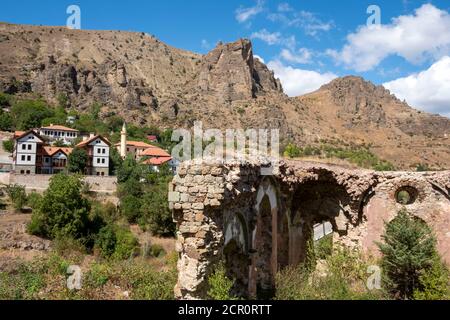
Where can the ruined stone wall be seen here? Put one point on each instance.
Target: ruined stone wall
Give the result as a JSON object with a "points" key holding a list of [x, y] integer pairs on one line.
{"points": [[257, 224]]}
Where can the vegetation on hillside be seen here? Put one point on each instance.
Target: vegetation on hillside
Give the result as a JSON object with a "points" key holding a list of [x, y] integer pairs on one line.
{"points": [[359, 155]]}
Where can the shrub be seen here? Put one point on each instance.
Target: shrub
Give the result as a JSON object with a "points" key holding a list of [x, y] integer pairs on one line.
{"points": [[127, 245], [106, 241], [34, 200], [434, 282], [63, 210], [156, 251], [17, 195], [408, 248], [292, 151], [8, 145], [220, 285], [130, 207], [342, 276]]}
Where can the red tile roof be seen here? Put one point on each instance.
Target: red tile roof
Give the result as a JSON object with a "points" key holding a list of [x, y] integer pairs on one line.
{"points": [[50, 151], [138, 144], [59, 127], [155, 152], [157, 161]]}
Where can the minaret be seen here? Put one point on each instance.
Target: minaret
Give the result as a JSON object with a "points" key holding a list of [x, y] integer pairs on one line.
{"points": [[123, 141]]}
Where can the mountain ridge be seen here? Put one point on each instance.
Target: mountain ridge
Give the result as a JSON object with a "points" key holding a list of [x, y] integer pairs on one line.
{"points": [[140, 78]]}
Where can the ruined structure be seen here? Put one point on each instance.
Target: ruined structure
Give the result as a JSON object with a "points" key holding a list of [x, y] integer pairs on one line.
{"points": [[258, 224]]}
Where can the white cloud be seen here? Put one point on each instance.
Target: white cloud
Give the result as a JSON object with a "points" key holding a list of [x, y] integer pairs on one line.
{"points": [[244, 14], [302, 55], [258, 57], [417, 37], [299, 81], [305, 20], [274, 38], [284, 7], [428, 90], [266, 36]]}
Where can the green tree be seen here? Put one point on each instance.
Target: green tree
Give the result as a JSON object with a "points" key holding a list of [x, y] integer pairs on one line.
{"points": [[292, 151], [6, 121], [17, 196], [62, 211], [408, 249], [8, 145], [77, 161], [28, 114]]}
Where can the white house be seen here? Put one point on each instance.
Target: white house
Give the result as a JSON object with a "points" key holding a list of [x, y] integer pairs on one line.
{"points": [[61, 133], [26, 148], [97, 149]]}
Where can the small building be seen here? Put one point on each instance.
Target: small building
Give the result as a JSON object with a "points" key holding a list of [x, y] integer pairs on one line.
{"points": [[52, 160], [59, 133], [155, 157], [26, 147], [33, 155], [97, 149]]}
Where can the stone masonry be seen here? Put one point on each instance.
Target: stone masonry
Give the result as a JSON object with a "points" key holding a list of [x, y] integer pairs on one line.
{"points": [[257, 224]]}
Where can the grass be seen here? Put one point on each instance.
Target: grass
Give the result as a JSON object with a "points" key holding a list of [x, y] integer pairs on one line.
{"points": [[46, 279]]}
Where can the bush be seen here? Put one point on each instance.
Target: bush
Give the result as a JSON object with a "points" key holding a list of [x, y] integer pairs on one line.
{"points": [[63, 211], [8, 145], [156, 251], [106, 241], [220, 285], [342, 276], [34, 200], [292, 151], [127, 246], [130, 207], [17, 195], [434, 282], [408, 249]]}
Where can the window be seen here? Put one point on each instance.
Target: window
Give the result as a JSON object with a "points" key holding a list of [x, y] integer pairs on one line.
{"points": [[47, 160], [406, 195], [28, 158], [103, 150], [103, 160], [22, 172], [24, 146], [29, 147], [23, 158], [28, 171], [98, 160], [103, 173]]}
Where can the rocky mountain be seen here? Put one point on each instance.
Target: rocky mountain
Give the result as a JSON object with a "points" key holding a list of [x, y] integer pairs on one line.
{"points": [[148, 82]]}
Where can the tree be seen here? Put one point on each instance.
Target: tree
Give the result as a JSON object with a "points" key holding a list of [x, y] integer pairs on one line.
{"points": [[77, 161], [62, 211], [408, 248], [8, 145], [17, 196], [6, 121], [29, 114]]}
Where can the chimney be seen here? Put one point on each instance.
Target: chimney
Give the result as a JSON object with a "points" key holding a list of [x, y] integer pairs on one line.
{"points": [[91, 135]]}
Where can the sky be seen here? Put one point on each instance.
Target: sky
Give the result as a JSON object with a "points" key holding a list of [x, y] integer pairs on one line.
{"points": [[401, 44]]}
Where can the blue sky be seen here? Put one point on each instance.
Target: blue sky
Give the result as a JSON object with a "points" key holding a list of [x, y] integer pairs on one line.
{"points": [[306, 43]]}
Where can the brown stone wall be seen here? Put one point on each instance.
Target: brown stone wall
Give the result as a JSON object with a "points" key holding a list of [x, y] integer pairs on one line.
{"points": [[258, 224]]}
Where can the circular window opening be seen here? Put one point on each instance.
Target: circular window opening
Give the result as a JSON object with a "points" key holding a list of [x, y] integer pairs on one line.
{"points": [[406, 195]]}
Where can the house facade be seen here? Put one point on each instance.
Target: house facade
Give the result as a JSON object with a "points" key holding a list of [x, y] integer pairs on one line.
{"points": [[55, 133], [26, 148], [97, 149], [34, 154]]}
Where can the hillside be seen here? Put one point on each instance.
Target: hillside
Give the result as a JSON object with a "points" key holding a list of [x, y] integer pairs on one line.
{"points": [[138, 77]]}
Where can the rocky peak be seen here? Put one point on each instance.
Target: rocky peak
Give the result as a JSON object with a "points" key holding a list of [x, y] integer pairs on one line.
{"points": [[230, 73]]}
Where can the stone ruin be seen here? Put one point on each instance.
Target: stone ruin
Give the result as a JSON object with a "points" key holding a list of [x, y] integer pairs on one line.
{"points": [[258, 224]]}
